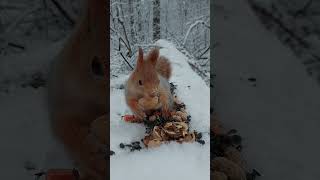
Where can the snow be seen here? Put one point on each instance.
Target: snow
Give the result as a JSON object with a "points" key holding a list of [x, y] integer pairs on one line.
{"points": [[25, 132], [279, 118], [169, 161]]}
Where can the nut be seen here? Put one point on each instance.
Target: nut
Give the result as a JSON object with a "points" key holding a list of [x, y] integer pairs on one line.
{"points": [[149, 103]]}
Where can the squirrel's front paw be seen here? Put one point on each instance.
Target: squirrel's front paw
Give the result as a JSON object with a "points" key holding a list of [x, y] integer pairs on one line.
{"points": [[139, 114], [165, 111]]}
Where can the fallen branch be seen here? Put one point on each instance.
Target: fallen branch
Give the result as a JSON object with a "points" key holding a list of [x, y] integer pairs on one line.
{"points": [[197, 69], [63, 12], [204, 52], [16, 45]]}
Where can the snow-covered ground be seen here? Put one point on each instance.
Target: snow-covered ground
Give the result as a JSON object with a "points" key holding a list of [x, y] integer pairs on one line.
{"points": [[279, 117], [169, 161], [27, 146]]}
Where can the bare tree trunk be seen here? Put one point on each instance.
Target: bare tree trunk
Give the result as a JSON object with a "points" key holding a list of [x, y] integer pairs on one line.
{"points": [[156, 20], [131, 22], [139, 30]]}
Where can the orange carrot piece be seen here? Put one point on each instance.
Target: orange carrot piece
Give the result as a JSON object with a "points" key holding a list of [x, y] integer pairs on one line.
{"points": [[128, 118]]}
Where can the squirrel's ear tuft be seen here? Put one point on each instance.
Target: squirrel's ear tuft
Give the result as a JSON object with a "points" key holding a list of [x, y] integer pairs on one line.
{"points": [[140, 58], [154, 55]]}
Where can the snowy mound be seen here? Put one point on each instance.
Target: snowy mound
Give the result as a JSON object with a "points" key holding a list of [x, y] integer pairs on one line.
{"points": [[27, 143], [278, 114], [169, 161]]}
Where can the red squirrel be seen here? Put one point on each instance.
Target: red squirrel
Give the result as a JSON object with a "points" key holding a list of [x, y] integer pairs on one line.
{"points": [[78, 92], [149, 82]]}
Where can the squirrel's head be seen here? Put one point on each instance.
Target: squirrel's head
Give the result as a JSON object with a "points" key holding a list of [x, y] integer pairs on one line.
{"points": [[145, 74]]}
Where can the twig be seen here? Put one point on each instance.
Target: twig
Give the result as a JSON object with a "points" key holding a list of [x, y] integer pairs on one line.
{"points": [[16, 45], [120, 20], [199, 57], [121, 39], [197, 69], [63, 12], [126, 61], [190, 29], [39, 174], [304, 9]]}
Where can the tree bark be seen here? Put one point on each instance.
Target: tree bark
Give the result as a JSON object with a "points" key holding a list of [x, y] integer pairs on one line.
{"points": [[132, 27], [156, 20]]}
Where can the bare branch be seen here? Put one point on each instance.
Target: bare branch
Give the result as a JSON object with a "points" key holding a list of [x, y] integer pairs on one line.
{"points": [[126, 60], [63, 12]]}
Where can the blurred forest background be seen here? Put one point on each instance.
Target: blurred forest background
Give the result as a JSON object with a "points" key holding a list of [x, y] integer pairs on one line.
{"points": [[26, 25], [31, 34], [26, 22], [140, 23]]}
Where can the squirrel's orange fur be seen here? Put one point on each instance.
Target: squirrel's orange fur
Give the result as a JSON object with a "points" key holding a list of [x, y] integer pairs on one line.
{"points": [[149, 79], [78, 92]]}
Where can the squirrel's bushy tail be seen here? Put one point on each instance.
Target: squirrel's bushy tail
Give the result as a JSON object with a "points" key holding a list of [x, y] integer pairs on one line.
{"points": [[164, 67]]}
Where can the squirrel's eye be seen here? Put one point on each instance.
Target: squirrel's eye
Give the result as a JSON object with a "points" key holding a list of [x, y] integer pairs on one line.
{"points": [[97, 67], [140, 82]]}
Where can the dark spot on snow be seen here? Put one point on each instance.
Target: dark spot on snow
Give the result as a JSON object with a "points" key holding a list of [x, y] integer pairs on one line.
{"points": [[112, 153], [253, 175], [121, 86], [198, 135], [202, 142], [188, 118], [251, 79], [132, 147], [37, 80], [173, 87], [39, 174]]}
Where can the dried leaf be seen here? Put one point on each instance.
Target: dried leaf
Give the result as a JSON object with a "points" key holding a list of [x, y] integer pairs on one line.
{"points": [[183, 115], [154, 143], [177, 118]]}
